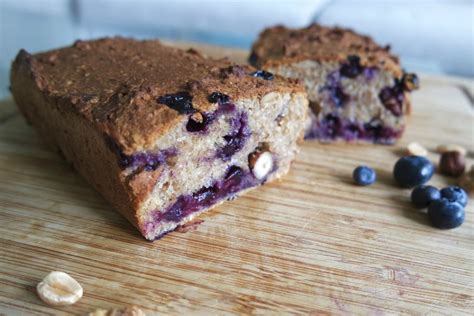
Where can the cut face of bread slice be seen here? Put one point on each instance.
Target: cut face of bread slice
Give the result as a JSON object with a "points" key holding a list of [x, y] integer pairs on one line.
{"points": [[240, 145], [356, 89], [163, 134], [369, 106]]}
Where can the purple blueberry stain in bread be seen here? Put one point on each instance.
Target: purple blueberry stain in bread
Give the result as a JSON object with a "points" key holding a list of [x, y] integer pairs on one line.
{"points": [[238, 135], [330, 125], [392, 98], [148, 161], [333, 88], [370, 73], [235, 180], [338, 97], [333, 127], [181, 102]]}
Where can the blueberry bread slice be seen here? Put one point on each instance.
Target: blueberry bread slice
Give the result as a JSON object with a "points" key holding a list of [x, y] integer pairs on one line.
{"points": [[356, 89], [163, 134]]}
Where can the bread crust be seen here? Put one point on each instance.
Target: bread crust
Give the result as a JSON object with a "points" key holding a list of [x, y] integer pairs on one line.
{"points": [[73, 136]]}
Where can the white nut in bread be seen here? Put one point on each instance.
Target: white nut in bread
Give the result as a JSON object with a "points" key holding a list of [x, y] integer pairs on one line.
{"points": [[59, 289], [261, 163]]}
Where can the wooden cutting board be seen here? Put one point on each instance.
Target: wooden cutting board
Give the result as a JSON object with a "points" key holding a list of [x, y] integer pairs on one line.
{"points": [[313, 243]]}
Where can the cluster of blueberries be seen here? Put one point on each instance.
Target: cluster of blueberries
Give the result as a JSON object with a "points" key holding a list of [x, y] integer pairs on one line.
{"points": [[445, 207]]}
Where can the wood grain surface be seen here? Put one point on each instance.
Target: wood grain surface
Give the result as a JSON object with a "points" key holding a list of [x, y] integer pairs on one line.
{"points": [[313, 243]]}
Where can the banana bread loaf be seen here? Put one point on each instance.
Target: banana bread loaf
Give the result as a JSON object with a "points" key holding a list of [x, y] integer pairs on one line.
{"points": [[163, 134], [357, 90]]}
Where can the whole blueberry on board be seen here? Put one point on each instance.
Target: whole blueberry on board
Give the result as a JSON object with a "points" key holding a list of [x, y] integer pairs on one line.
{"points": [[423, 195], [364, 175], [445, 214], [411, 171], [455, 194]]}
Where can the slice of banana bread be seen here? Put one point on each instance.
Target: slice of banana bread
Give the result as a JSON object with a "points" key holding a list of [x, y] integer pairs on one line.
{"points": [[163, 134], [357, 90]]}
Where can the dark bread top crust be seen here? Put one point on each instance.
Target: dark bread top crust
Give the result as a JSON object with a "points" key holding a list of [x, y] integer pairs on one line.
{"points": [[280, 45], [115, 83]]}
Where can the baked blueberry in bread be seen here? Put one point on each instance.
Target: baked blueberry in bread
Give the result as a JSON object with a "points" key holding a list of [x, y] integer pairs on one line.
{"points": [[357, 90], [163, 134]]}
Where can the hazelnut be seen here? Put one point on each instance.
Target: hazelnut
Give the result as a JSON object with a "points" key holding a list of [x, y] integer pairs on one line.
{"points": [[451, 147], [416, 149], [59, 289], [452, 163], [261, 163]]}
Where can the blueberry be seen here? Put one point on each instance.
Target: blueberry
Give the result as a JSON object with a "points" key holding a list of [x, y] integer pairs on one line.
{"points": [[364, 175], [205, 194], [353, 59], [218, 97], [148, 161], [445, 214], [353, 68], [263, 74], [392, 99], [411, 171], [335, 90], [338, 96], [181, 102], [455, 194], [423, 195], [331, 125], [236, 139], [370, 72], [375, 126], [233, 171]]}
